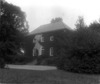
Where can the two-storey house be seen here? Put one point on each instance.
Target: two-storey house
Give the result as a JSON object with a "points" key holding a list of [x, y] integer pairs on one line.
{"points": [[43, 38]]}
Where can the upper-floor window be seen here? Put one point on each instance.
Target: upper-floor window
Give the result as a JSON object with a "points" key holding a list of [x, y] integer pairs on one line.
{"points": [[42, 39], [51, 51], [51, 38]]}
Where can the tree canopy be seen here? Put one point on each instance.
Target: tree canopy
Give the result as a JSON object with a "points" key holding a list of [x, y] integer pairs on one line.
{"points": [[13, 28], [58, 19], [79, 50], [95, 26], [80, 22]]}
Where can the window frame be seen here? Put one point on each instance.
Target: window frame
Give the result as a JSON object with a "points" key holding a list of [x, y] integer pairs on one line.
{"points": [[51, 51], [41, 50], [51, 38]]}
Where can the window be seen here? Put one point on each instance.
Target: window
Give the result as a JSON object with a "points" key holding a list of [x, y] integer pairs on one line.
{"points": [[35, 52], [41, 51], [42, 39], [51, 38], [51, 51]]}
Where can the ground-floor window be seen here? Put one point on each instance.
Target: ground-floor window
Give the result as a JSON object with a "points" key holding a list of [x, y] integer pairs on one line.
{"points": [[51, 51], [35, 52], [41, 50], [38, 51]]}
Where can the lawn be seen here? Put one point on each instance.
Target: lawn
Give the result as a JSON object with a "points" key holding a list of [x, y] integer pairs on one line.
{"points": [[45, 77]]}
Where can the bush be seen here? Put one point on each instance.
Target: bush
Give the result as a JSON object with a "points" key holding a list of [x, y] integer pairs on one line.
{"points": [[2, 63], [83, 53], [52, 61], [21, 60]]}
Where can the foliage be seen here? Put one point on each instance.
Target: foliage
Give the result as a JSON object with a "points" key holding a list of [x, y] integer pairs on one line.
{"points": [[13, 28], [56, 20], [63, 42], [2, 63], [80, 23], [95, 26], [50, 61], [81, 52]]}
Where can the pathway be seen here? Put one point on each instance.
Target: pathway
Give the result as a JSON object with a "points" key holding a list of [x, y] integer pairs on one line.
{"points": [[32, 67]]}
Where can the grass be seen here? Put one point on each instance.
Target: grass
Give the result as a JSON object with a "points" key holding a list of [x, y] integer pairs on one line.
{"points": [[45, 77]]}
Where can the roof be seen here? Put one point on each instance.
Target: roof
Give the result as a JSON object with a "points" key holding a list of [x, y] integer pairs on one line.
{"points": [[50, 27]]}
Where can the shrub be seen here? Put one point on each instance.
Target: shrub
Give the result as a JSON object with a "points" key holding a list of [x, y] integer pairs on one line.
{"points": [[21, 60], [2, 63], [51, 61], [83, 53]]}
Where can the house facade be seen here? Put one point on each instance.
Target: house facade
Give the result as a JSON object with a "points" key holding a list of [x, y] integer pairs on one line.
{"points": [[44, 37]]}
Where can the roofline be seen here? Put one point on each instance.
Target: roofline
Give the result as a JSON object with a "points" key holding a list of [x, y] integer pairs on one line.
{"points": [[49, 31]]}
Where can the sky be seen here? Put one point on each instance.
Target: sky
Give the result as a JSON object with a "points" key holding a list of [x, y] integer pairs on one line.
{"points": [[40, 12]]}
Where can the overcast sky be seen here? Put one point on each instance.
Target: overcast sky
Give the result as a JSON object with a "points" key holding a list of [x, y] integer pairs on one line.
{"points": [[41, 12]]}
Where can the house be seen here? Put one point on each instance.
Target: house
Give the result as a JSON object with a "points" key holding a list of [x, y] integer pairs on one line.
{"points": [[42, 39]]}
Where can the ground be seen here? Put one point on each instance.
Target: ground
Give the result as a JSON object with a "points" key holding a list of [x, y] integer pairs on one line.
{"points": [[18, 76]]}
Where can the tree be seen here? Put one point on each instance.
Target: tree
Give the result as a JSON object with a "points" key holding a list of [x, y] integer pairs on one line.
{"points": [[79, 51], [13, 28], [95, 26], [56, 20], [80, 23]]}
